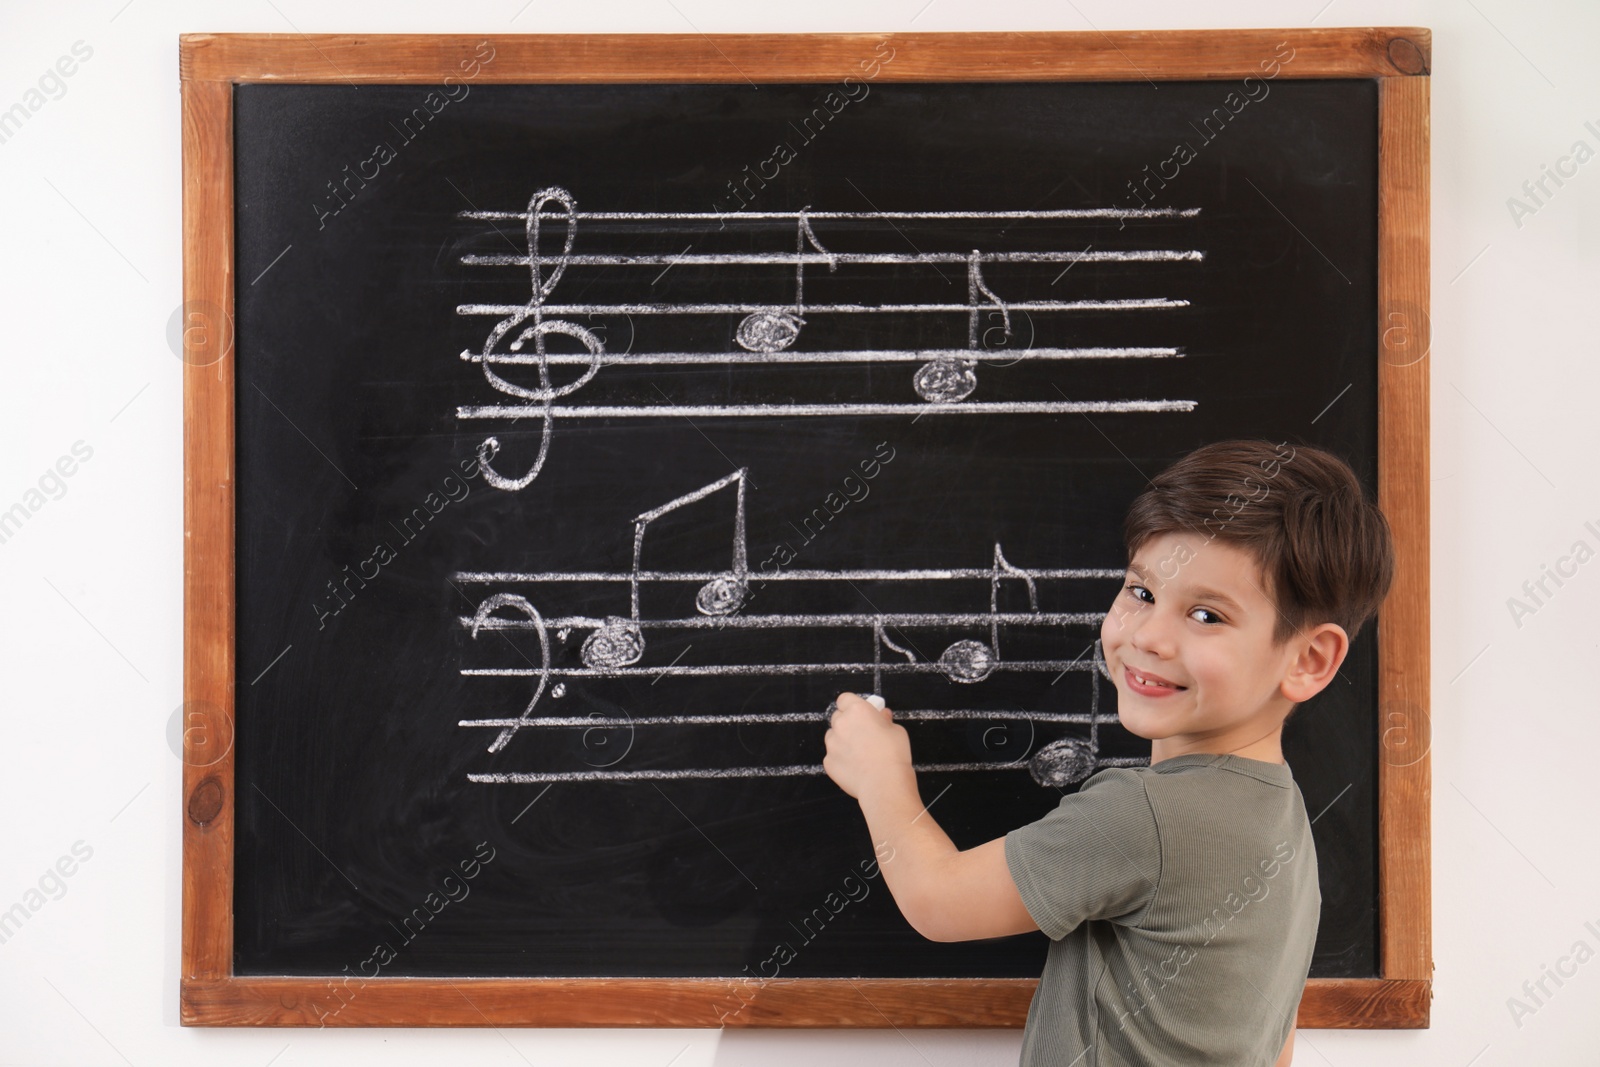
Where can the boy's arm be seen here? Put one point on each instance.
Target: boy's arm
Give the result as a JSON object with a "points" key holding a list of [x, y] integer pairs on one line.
{"points": [[944, 893], [1287, 1055]]}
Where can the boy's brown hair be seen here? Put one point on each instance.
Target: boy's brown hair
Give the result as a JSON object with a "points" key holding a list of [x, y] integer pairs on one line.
{"points": [[1325, 551]]}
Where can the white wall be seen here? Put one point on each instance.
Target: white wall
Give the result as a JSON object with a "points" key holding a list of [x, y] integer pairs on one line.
{"points": [[93, 593]]}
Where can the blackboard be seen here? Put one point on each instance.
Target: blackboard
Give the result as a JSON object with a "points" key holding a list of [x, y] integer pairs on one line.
{"points": [[588, 442]]}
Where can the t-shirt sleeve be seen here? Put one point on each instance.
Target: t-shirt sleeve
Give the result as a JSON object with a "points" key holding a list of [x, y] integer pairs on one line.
{"points": [[1096, 856]]}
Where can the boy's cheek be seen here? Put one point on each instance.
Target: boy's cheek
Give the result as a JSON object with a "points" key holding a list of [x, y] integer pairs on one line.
{"points": [[1111, 628]]}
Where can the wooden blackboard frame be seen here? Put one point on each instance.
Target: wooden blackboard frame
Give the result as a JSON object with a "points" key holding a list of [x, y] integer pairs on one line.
{"points": [[1399, 59]]}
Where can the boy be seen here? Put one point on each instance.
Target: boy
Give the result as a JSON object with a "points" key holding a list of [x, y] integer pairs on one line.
{"points": [[1181, 899]]}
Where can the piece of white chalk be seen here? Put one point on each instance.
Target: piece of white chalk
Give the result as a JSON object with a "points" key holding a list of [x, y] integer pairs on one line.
{"points": [[875, 700]]}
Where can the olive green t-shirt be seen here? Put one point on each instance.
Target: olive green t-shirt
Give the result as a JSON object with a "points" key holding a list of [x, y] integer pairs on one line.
{"points": [[1181, 901]]}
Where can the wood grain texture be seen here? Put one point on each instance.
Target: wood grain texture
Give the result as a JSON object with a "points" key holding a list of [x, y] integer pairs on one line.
{"points": [[208, 483], [1374, 52], [1344, 1003], [1404, 866], [209, 64]]}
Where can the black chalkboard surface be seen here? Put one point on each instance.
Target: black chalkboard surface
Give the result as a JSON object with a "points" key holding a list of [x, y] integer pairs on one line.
{"points": [[862, 412]]}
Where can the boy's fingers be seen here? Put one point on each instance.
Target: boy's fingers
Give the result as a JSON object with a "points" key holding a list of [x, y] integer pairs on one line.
{"points": [[872, 699], [852, 704], [844, 702]]}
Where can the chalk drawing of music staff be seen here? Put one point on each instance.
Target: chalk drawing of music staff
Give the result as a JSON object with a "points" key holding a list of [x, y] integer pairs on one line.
{"points": [[943, 381], [615, 647]]}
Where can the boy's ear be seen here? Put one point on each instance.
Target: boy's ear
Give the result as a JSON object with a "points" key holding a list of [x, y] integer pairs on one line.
{"points": [[1320, 656]]}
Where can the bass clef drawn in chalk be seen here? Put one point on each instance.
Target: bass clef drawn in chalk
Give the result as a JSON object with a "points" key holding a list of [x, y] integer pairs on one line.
{"points": [[486, 609], [529, 324]]}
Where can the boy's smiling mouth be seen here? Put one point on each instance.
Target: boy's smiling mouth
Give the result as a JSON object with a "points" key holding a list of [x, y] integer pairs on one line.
{"points": [[1149, 684]]}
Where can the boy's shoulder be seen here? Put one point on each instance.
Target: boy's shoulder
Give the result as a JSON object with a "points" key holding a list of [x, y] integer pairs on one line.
{"points": [[1196, 791], [1188, 778], [1214, 813], [1197, 763], [1212, 790]]}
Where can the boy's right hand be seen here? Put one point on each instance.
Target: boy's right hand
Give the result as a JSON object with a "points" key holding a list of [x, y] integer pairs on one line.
{"points": [[866, 748]]}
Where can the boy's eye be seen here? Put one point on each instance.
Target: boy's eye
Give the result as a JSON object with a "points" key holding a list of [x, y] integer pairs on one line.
{"points": [[1135, 590]]}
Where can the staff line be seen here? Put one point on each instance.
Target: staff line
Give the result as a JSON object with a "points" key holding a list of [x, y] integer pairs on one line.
{"points": [[791, 259], [794, 216], [1080, 718], [999, 407], [843, 356], [553, 310], [783, 771], [766, 622], [795, 575], [737, 669]]}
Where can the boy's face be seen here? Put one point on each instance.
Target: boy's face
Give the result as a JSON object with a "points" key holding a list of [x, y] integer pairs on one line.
{"points": [[1195, 613]]}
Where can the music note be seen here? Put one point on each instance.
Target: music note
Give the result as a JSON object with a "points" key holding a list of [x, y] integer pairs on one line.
{"points": [[619, 642], [775, 329], [1071, 760], [943, 382], [948, 379], [615, 647]]}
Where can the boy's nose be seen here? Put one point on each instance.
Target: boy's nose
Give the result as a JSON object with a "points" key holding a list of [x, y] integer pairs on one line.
{"points": [[1152, 635]]}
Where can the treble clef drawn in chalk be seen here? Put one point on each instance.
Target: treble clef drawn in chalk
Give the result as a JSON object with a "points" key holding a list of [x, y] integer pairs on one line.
{"points": [[615, 647], [529, 324]]}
